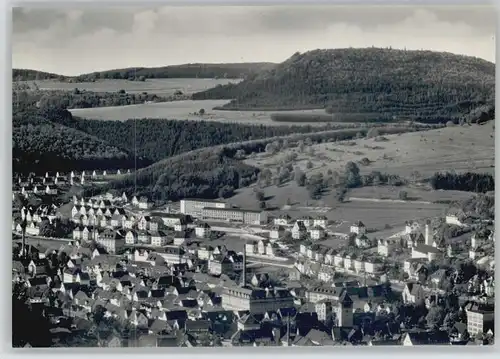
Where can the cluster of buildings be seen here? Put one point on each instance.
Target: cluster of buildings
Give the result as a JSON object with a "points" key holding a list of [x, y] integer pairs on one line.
{"points": [[53, 184], [158, 272]]}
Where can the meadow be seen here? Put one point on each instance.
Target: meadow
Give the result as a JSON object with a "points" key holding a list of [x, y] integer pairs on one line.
{"points": [[188, 110], [415, 155], [459, 148], [164, 87]]}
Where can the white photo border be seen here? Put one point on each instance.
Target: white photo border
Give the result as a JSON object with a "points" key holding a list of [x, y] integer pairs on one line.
{"points": [[6, 350]]}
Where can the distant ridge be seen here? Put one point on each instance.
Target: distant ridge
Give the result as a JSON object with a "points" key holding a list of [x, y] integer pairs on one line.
{"points": [[195, 70]]}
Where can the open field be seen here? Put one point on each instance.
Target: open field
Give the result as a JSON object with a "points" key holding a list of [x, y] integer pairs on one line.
{"points": [[452, 148], [414, 193], [185, 110], [373, 214], [470, 148], [152, 86]]}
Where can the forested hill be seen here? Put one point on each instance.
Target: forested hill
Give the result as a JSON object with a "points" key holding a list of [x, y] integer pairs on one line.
{"points": [[39, 145], [230, 71], [418, 84], [32, 75], [157, 139]]}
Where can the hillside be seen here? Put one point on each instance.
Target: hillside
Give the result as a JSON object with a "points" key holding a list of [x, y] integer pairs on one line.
{"points": [[218, 171], [32, 75], [44, 140], [52, 147], [424, 85], [230, 71], [205, 173], [157, 139]]}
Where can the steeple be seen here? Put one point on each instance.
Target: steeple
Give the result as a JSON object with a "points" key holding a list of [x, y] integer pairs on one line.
{"points": [[24, 224]]}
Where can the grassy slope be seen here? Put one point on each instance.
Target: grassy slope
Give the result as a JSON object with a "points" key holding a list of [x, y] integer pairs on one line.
{"points": [[451, 148]]}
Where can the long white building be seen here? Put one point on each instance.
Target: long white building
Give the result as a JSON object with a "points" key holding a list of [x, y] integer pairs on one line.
{"points": [[235, 215], [194, 206]]}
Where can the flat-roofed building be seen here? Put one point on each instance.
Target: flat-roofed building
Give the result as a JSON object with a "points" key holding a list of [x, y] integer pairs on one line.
{"points": [[256, 300], [235, 215], [480, 317], [195, 206]]}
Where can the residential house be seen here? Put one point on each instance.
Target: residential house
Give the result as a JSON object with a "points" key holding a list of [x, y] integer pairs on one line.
{"points": [[427, 252], [158, 239], [251, 248], [307, 220], [413, 293], [386, 247], [439, 337], [272, 249], [261, 246], [282, 220], [324, 309], [480, 317], [143, 224], [181, 238], [144, 237], [128, 221], [111, 240], [141, 255], [144, 203], [51, 190], [131, 237], [116, 221], [358, 228], [220, 264], [276, 232], [321, 221], [204, 251], [373, 265], [32, 229], [202, 230], [317, 232], [299, 230]]}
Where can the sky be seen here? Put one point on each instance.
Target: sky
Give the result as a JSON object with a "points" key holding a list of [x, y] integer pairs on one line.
{"points": [[72, 41]]}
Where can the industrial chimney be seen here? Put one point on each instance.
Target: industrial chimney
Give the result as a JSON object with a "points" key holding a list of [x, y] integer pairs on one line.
{"points": [[244, 273]]}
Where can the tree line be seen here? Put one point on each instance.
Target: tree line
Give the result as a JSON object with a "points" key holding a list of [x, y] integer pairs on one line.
{"points": [[50, 99], [469, 182]]}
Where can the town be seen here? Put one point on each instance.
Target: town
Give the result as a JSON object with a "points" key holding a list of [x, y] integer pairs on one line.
{"points": [[119, 271]]}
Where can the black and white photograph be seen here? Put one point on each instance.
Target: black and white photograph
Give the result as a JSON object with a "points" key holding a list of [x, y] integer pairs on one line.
{"points": [[253, 176]]}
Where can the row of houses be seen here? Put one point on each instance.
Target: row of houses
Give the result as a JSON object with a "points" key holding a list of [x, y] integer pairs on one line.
{"points": [[27, 190], [358, 263]]}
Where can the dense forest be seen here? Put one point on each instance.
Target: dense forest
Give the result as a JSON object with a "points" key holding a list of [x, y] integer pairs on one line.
{"points": [[52, 147], [157, 139], [208, 71], [397, 84], [470, 182], [207, 173]]}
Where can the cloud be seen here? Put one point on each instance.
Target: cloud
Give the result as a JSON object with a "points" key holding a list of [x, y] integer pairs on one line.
{"points": [[84, 40]]}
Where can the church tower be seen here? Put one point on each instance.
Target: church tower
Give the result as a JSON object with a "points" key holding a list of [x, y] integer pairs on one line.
{"points": [[344, 310]]}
